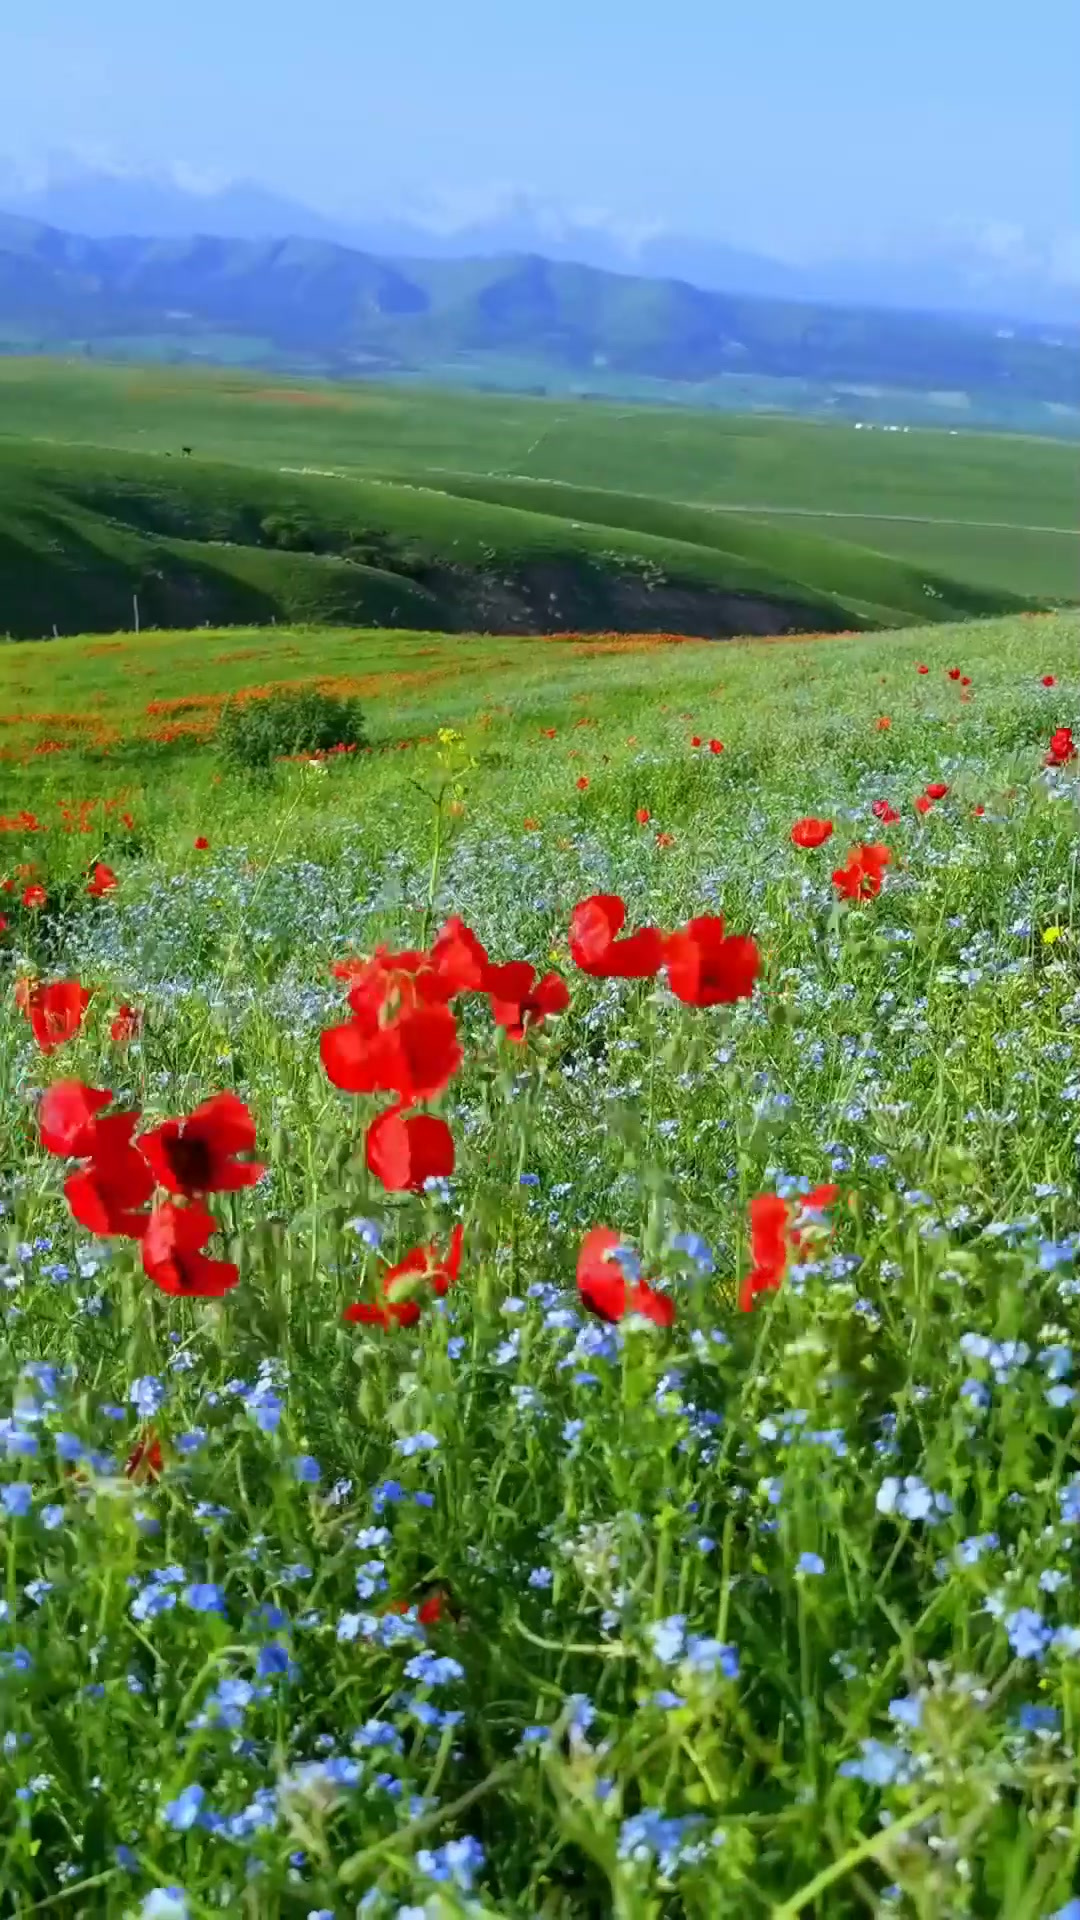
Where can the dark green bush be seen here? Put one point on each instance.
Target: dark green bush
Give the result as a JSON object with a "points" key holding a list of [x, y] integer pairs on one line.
{"points": [[301, 720]]}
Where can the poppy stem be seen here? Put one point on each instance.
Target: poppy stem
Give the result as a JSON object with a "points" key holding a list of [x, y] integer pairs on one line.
{"points": [[436, 862]]}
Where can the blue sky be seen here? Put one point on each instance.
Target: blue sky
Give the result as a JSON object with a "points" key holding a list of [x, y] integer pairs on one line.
{"points": [[795, 124]]}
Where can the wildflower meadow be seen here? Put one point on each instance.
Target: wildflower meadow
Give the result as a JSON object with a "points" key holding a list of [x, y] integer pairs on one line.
{"points": [[539, 1364]]}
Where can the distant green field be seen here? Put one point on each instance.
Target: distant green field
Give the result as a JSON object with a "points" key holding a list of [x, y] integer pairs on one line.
{"points": [[855, 527], [86, 534]]}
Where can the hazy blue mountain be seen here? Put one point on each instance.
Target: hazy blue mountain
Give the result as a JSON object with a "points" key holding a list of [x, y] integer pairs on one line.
{"points": [[310, 305], [1007, 276]]}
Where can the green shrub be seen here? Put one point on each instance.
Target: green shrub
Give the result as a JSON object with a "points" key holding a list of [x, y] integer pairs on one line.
{"points": [[298, 720]]}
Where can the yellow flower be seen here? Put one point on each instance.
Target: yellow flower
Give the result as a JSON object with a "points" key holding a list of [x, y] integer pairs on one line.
{"points": [[1051, 934]]}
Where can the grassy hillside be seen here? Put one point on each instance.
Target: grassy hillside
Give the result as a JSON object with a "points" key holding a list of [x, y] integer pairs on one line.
{"points": [[85, 531], [997, 511], [312, 306]]}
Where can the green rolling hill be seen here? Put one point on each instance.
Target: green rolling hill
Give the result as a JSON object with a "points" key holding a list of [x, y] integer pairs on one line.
{"points": [[84, 531]]}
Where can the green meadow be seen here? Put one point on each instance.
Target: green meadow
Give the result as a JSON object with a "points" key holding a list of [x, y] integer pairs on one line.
{"points": [[738, 1580]]}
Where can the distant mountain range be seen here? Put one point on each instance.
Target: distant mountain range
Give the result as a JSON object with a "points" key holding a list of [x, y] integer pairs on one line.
{"points": [[998, 271], [314, 306]]}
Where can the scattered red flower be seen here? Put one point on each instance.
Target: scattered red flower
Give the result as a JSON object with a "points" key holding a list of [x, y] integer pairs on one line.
{"points": [[775, 1228], [392, 1313], [127, 1024], [404, 1150], [811, 832], [708, 968], [1048, 680], [103, 880], [716, 746], [108, 1194], [665, 839], [146, 1460], [67, 1117], [643, 816], [595, 947], [884, 723], [424, 1264], [1062, 748], [921, 669], [605, 1289], [172, 1254], [55, 1012], [860, 879], [936, 790], [197, 1154], [882, 811], [695, 740], [201, 843], [519, 1000], [582, 783], [34, 896], [954, 673], [415, 1057]]}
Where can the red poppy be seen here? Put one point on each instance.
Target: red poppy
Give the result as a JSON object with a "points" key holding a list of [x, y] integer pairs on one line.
{"points": [[423, 1264], [393, 1313], [415, 1057], [67, 1117], [102, 880], [459, 958], [1062, 748], [201, 843], [108, 1193], [1048, 680], [548, 732], [936, 790], [172, 1254], [530, 825], [884, 812], [127, 1024], [595, 947], [34, 896], [695, 740], [923, 803], [811, 832], [922, 669], [979, 811], [516, 1002], [197, 1155], [643, 816], [768, 1248], [884, 723], [954, 673], [965, 679], [582, 783], [404, 1150], [708, 968], [776, 1227], [55, 1012], [860, 879], [605, 1289], [716, 746], [146, 1460]]}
